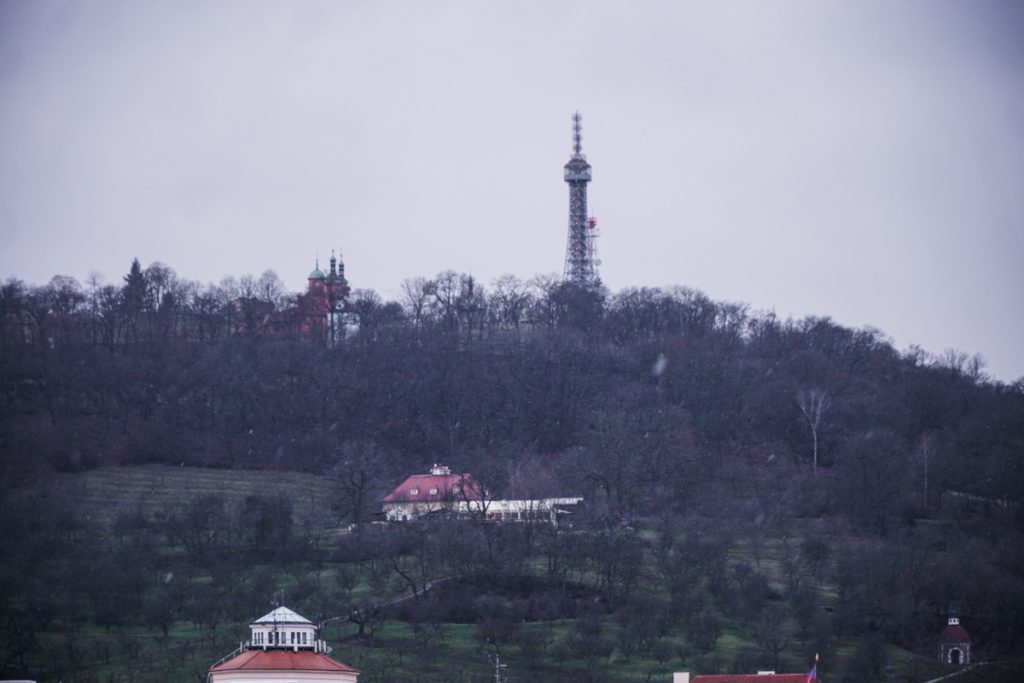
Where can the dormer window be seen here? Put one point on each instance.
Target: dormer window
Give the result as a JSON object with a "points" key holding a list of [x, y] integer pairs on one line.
{"points": [[455, 489], [414, 492], [433, 491]]}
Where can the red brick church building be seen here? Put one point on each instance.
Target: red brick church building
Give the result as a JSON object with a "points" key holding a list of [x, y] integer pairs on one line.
{"points": [[325, 304], [321, 314]]}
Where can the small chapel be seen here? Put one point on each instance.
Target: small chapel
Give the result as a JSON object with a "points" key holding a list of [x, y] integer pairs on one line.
{"points": [[955, 643], [283, 648]]}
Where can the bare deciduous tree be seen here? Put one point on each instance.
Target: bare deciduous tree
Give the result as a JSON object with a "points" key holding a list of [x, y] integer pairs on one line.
{"points": [[512, 299], [925, 452], [416, 298], [813, 403], [271, 289]]}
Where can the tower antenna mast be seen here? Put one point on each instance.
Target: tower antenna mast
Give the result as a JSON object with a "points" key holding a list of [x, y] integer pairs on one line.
{"points": [[577, 135], [581, 248]]}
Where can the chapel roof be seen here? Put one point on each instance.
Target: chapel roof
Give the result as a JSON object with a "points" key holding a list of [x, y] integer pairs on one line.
{"points": [[955, 633]]}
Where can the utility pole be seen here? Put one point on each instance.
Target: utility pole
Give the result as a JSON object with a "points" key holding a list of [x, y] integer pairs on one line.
{"points": [[498, 666]]}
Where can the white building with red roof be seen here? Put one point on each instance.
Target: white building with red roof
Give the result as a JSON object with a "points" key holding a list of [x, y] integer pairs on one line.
{"points": [[283, 648], [442, 492], [439, 491]]}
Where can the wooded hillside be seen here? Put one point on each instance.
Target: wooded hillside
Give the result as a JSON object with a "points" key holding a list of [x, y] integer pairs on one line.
{"points": [[890, 482]]}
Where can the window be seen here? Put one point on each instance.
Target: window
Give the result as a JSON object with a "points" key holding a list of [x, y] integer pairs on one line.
{"points": [[455, 489], [303, 637], [433, 491], [414, 492]]}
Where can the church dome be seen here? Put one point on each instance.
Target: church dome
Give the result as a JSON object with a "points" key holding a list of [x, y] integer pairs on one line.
{"points": [[317, 274]]}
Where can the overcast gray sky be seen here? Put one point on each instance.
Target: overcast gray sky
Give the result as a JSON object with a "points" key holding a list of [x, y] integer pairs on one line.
{"points": [[862, 160]]}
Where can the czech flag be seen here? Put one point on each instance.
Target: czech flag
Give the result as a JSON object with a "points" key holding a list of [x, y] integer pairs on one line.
{"points": [[812, 675]]}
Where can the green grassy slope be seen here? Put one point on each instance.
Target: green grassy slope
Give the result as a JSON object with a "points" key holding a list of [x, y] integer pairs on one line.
{"points": [[400, 651]]}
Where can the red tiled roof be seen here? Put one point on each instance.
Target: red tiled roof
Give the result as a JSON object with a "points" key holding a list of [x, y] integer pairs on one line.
{"points": [[955, 633], [282, 660], [444, 484], [754, 678]]}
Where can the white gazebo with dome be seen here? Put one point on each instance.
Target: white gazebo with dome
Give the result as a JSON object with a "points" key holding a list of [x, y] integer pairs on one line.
{"points": [[283, 648], [283, 627]]}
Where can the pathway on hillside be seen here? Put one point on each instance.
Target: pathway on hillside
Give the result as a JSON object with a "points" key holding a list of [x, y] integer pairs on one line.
{"points": [[890, 670], [410, 595], [956, 673], [391, 602]]}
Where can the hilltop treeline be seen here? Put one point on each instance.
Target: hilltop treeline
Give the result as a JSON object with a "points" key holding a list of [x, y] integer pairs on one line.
{"points": [[639, 396]]}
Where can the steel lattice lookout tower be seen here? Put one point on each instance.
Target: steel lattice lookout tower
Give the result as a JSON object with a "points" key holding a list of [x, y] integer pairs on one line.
{"points": [[580, 264]]}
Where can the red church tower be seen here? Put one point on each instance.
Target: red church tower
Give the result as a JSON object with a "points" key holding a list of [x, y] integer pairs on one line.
{"points": [[326, 303]]}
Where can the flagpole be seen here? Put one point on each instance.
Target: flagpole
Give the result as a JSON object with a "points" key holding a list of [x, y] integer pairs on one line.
{"points": [[812, 675]]}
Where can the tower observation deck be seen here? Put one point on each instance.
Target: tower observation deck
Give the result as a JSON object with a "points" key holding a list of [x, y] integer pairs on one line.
{"points": [[581, 249]]}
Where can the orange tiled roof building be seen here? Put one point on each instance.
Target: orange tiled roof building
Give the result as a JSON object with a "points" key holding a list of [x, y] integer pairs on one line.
{"points": [[283, 646]]}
